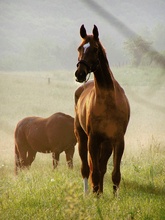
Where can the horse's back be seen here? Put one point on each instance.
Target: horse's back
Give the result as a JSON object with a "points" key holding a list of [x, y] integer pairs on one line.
{"points": [[60, 122]]}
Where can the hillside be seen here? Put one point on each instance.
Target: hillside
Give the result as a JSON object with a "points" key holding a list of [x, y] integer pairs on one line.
{"points": [[44, 35]]}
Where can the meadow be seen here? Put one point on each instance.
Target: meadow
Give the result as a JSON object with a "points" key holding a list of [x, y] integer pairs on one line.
{"points": [[41, 193]]}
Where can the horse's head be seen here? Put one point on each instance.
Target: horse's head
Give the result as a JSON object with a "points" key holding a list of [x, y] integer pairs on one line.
{"points": [[88, 54]]}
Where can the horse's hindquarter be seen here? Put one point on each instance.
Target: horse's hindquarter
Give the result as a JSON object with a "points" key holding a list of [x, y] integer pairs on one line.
{"points": [[36, 135], [60, 132], [122, 106], [29, 133]]}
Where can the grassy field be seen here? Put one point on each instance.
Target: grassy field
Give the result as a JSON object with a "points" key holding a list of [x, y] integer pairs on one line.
{"points": [[41, 193]]}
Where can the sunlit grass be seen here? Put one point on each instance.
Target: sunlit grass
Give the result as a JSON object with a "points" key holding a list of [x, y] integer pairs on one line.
{"points": [[43, 193]]}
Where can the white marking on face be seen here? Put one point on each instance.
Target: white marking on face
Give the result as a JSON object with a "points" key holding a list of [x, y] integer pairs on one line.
{"points": [[86, 46]]}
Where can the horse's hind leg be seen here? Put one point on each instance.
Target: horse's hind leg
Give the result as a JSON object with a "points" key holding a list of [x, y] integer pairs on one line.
{"points": [[20, 157], [69, 157], [30, 157], [17, 160], [117, 155]]}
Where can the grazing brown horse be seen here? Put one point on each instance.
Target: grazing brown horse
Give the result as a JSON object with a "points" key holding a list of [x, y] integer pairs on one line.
{"points": [[102, 114], [53, 134]]}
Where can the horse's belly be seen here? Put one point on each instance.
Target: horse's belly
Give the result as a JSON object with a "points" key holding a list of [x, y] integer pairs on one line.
{"points": [[44, 150], [109, 127], [111, 130], [41, 148]]}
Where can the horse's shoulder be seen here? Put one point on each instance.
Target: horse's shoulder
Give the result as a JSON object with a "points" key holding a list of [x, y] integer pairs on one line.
{"points": [[83, 90]]}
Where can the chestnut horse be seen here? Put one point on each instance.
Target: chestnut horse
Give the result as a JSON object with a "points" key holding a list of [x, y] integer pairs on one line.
{"points": [[53, 134], [102, 114]]}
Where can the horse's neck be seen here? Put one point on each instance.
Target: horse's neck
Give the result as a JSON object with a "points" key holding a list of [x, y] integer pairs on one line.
{"points": [[103, 77]]}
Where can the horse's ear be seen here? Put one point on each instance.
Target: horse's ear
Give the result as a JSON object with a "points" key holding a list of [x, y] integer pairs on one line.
{"points": [[83, 33], [95, 32]]}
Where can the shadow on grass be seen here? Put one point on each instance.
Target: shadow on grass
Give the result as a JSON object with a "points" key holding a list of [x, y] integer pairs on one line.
{"points": [[132, 185]]}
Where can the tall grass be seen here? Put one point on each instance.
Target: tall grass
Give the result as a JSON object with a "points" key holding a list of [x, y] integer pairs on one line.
{"points": [[41, 193]]}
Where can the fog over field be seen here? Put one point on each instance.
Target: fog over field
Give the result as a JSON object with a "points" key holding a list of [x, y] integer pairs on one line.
{"points": [[44, 34], [39, 39]]}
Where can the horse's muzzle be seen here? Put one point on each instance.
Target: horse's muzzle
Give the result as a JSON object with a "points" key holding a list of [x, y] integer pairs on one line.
{"points": [[82, 71], [80, 76]]}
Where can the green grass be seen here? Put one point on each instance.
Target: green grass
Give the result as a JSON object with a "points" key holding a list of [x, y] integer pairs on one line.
{"points": [[41, 193]]}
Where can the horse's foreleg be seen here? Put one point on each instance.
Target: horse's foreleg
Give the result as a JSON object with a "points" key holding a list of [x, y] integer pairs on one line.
{"points": [[106, 151], [70, 163], [55, 157], [17, 160], [94, 151], [83, 153], [117, 155], [82, 146]]}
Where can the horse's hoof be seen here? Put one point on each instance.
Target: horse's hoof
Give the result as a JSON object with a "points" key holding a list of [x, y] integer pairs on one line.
{"points": [[115, 191]]}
